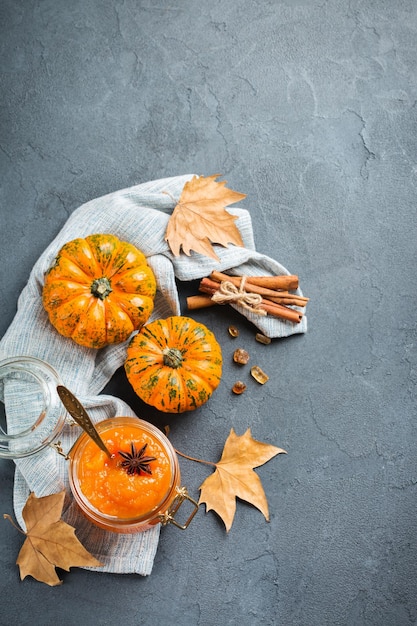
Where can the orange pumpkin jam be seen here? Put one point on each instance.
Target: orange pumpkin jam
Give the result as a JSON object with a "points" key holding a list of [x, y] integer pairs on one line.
{"points": [[110, 488]]}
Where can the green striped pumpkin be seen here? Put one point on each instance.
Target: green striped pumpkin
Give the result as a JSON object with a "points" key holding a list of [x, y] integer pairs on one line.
{"points": [[174, 364]]}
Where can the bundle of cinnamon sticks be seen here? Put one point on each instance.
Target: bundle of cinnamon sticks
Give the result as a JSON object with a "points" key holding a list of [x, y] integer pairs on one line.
{"points": [[275, 300]]}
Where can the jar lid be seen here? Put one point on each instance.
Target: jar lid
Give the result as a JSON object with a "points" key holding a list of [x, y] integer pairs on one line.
{"points": [[31, 413]]}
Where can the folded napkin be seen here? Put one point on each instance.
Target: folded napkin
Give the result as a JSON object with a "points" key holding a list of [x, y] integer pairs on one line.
{"points": [[139, 215]]}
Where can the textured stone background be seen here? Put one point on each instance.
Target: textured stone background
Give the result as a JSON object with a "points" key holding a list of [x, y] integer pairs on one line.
{"points": [[308, 107]]}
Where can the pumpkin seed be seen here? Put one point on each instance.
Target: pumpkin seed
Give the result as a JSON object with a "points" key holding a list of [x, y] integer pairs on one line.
{"points": [[233, 331]]}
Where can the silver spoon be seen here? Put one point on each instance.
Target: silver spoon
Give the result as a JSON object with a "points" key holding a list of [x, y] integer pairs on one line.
{"points": [[80, 415]]}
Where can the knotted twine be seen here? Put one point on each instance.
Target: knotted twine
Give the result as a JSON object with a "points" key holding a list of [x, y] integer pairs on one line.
{"points": [[228, 292], [139, 215]]}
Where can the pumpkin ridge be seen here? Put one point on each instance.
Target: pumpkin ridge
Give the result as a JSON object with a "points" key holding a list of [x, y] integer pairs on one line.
{"points": [[115, 333], [149, 351], [157, 340], [65, 268], [76, 247], [196, 380], [98, 249], [51, 296], [124, 302], [64, 305], [137, 372], [144, 285], [176, 390], [178, 330], [125, 258], [82, 325]]}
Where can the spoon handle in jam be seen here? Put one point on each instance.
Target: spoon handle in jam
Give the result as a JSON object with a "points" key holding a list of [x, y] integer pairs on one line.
{"points": [[80, 415]]}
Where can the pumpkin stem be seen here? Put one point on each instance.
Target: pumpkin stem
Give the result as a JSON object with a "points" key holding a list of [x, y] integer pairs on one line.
{"points": [[172, 357], [101, 288]]}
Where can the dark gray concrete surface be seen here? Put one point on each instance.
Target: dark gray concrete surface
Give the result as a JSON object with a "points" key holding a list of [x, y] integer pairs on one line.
{"points": [[308, 107]]}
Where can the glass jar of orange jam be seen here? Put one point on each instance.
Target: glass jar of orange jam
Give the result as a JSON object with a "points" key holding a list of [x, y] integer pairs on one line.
{"points": [[138, 487]]}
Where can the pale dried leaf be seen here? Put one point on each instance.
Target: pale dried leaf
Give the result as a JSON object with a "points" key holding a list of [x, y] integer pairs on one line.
{"points": [[200, 219], [50, 542], [234, 477]]}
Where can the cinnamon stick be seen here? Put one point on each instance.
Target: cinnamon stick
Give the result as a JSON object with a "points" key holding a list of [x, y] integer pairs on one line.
{"points": [[289, 298], [277, 310], [249, 286], [209, 286], [268, 282], [199, 302], [272, 308]]}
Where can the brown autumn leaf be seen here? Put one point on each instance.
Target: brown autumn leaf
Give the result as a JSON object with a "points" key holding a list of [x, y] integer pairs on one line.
{"points": [[50, 542], [199, 219], [234, 477]]}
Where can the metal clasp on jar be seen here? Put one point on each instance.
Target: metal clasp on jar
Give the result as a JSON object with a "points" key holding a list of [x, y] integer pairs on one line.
{"points": [[168, 516]]}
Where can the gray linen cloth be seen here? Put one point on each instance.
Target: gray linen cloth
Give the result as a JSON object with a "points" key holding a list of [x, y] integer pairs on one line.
{"points": [[139, 215]]}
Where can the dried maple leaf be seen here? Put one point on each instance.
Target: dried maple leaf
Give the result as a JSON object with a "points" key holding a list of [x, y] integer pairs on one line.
{"points": [[234, 477], [200, 219], [50, 542]]}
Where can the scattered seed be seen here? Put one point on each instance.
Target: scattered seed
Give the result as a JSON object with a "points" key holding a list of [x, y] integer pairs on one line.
{"points": [[240, 356], [233, 331], [262, 338], [259, 375], [238, 387]]}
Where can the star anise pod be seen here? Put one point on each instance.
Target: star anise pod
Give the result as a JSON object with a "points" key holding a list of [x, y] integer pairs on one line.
{"points": [[135, 461]]}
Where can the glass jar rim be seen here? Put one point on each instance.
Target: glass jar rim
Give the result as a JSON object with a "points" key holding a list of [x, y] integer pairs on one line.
{"points": [[25, 378]]}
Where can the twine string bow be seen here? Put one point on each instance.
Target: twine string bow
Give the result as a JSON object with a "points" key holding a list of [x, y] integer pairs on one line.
{"points": [[228, 292]]}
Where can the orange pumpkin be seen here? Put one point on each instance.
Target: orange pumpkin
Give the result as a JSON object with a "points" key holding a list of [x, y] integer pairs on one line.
{"points": [[174, 364], [99, 290]]}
